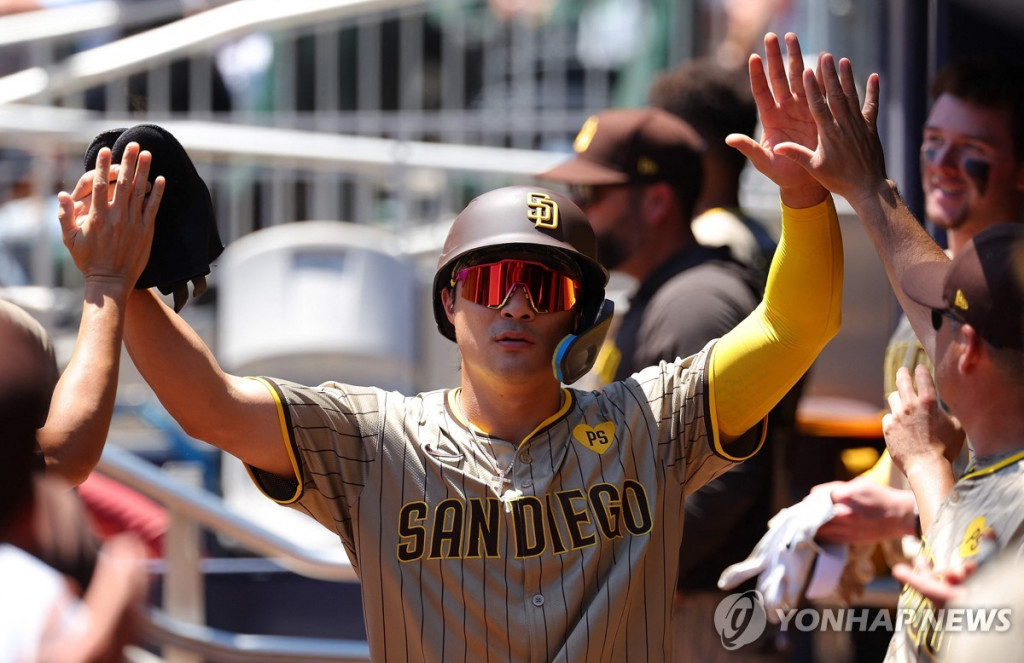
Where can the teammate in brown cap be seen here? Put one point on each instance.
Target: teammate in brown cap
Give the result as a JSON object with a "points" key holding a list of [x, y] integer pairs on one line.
{"points": [[511, 517], [636, 174]]}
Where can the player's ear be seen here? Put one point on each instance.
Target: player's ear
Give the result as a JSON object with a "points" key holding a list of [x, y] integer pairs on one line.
{"points": [[972, 346], [657, 201], [448, 301]]}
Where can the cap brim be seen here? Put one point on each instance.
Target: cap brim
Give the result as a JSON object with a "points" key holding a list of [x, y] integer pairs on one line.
{"points": [[582, 171], [924, 283]]}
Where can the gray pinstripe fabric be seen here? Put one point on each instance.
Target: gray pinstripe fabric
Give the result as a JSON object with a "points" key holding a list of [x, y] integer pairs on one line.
{"points": [[582, 567]]}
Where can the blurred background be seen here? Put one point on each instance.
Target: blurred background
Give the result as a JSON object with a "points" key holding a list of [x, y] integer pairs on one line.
{"points": [[338, 139]]}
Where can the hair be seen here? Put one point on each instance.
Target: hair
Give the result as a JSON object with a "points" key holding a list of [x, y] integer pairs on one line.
{"points": [[715, 100], [1010, 362], [28, 373], [988, 80], [18, 433]]}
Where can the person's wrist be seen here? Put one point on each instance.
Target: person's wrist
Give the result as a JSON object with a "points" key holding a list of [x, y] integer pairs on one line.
{"points": [[108, 285], [803, 196], [911, 519], [882, 192], [926, 469]]}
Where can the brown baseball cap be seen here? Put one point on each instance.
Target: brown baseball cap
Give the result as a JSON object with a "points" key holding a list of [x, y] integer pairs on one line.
{"points": [[625, 145], [982, 286]]}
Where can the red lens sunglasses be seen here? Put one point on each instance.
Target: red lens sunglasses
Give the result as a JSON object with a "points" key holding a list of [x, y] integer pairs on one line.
{"points": [[491, 284]]}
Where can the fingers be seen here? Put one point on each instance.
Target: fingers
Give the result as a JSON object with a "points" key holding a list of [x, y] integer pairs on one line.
{"points": [[816, 99], [795, 152], [834, 91], [776, 68], [796, 65], [759, 85], [127, 177], [140, 182], [888, 421], [829, 486], [100, 180], [870, 108], [83, 188], [925, 384], [904, 384], [66, 213], [849, 86], [745, 144], [153, 201]]}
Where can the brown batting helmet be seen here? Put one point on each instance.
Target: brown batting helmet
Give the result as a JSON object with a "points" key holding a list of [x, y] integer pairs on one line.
{"points": [[530, 219]]}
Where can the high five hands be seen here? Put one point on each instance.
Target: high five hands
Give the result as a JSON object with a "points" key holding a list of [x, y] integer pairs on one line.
{"points": [[107, 223]]}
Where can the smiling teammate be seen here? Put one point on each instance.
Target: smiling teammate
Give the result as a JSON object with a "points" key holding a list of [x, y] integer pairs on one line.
{"points": [[972, 175]]}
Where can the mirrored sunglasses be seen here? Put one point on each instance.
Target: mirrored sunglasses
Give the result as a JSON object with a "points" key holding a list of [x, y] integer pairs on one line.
{"points": [[491, 284]]}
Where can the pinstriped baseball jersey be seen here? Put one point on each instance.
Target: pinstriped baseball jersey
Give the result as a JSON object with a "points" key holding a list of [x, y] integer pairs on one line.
{"points": [[564, 548], [985, 499]]}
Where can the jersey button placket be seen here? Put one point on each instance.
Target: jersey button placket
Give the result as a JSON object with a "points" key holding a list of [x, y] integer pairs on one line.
{"points": [[538, 600]]}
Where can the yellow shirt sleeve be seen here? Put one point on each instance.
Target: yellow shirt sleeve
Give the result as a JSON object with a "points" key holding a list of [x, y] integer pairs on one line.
{"points": [[757, 362]]}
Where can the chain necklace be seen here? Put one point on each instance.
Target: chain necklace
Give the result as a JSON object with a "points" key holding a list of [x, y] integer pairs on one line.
{"points": [[498, 484]]}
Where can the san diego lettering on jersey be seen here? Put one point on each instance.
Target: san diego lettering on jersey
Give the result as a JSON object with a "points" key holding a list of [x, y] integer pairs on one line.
{"points": [[554, 523]]}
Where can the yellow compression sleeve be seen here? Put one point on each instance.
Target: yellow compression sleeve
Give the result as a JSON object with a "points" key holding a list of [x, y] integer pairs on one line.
{"points": [[758, 361]]}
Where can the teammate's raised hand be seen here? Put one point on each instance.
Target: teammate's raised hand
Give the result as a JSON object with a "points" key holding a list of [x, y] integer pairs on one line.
{"points": [[109, 229], [785, 118], [848, 159]]}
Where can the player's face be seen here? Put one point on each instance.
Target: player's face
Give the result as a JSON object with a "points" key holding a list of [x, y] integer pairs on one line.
{"points": [[614, 214], [970, 177], [511, 342]]}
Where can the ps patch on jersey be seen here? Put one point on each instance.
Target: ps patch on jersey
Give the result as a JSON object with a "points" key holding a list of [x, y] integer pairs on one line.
{"points": [[971, 543], [595, 438]]}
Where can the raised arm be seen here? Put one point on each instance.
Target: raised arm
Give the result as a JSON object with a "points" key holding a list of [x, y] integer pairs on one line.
{"points": [[849, 162], [757, 362], [108, 236], [236, 414]]}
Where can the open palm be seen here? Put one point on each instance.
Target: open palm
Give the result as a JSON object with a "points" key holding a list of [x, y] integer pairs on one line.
{"points": [[785, 116]]}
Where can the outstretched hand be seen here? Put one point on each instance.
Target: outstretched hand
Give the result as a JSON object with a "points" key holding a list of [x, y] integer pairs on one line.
{"points": [[109, 229], [866, 512], [785, 119], [940, 586], [848, 159]]}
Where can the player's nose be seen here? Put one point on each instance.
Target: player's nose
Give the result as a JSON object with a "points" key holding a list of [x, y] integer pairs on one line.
{"points": [[518, 306]]}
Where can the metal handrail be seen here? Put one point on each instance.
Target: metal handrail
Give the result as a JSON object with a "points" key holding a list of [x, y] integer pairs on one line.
{"points": [[207, 509], [217, 646], [282, 147], [81, 19], [190, 35]]}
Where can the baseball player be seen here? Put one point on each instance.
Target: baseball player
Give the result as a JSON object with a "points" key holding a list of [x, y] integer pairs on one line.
{"points": [[512, 517]]}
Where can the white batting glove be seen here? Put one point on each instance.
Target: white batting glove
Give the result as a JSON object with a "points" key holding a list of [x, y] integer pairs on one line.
{"points": [[783, 558]]}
